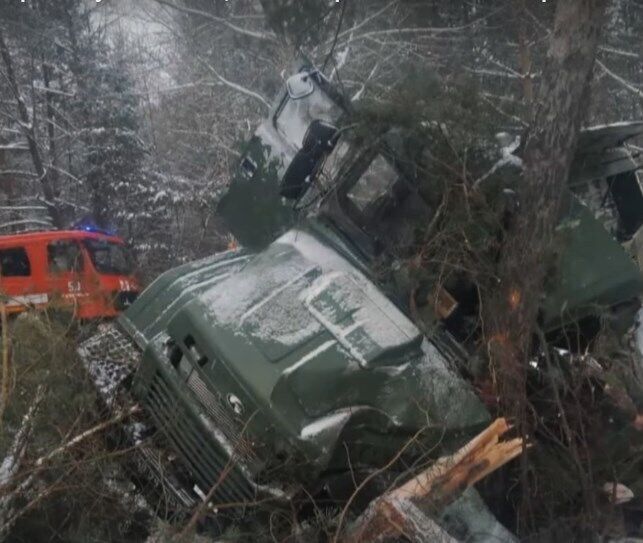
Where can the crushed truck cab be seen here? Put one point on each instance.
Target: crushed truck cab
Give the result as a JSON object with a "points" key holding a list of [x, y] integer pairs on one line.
{"points": [[291, 353], [288, 368]]}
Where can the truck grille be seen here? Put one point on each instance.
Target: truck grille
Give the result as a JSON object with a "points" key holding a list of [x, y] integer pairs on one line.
{"points": [[219, 412], [148, 468], [209, 463]]}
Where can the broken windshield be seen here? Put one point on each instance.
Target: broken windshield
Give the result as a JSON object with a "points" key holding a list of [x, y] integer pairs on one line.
{"points": [[109, 257], [374, 183]]}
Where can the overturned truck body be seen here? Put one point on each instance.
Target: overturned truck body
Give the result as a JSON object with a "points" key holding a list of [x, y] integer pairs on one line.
{"points": [[289, 370]]}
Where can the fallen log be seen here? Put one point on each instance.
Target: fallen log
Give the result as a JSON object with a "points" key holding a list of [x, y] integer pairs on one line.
{"points": [[407, 510]]}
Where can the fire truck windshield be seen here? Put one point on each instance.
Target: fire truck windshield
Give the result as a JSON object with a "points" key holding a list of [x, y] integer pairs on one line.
{"points": [[109, 257]]}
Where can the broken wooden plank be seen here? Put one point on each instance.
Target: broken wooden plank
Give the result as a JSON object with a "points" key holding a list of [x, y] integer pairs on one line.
{"points": [[405, 511]]}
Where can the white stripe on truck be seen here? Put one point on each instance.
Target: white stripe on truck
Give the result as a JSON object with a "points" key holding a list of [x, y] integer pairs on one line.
{"points": [[15, 301]]}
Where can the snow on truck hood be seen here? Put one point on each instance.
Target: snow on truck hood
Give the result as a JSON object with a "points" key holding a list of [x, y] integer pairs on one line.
{"points": [[298, 289], [298, 319]]}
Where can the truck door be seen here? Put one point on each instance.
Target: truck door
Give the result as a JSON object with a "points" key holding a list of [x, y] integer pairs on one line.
{"points": [[273, 164], [16, 281], [65, 272]]}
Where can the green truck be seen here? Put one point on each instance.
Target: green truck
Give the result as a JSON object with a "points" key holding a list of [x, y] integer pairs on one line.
{"points": [[286, 371]]}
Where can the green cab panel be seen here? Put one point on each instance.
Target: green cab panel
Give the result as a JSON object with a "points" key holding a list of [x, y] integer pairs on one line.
{"points": [[593, 271], [252, 207]]}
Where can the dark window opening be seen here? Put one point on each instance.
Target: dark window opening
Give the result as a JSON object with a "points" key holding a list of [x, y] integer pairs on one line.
{"points": [[202, 361], [628, 200], [616, 201], [109, 257], [175, 356], [248, 167], [64, 256], [375, 183], [319, 140], [14, 262]]}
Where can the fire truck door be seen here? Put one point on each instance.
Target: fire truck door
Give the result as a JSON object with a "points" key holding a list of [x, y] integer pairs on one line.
{"points": [[66, 267]]}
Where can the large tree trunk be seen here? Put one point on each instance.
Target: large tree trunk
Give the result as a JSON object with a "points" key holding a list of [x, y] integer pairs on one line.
{"points": [[527, 251]]}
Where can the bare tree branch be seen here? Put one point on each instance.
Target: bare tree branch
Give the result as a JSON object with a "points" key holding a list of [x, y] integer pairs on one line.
{"points": [[86, 434], [238, 87]]}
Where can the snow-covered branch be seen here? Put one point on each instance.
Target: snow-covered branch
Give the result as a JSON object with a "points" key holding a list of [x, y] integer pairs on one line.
{"points": [[87, 434], [414, 31], [17, 173], [239, 88], [628, 85], [494, 73], [618, 52], [220, 20]]}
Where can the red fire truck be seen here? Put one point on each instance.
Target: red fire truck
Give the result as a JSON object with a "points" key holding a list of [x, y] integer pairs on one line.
{"points": [[86, 271]]}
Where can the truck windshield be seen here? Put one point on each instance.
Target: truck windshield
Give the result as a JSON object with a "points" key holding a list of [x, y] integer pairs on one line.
{"points": [[374, 183], [109, 257]]}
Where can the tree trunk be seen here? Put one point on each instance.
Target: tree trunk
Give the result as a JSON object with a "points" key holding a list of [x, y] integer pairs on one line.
{"points": [[26, 124], [510, 314], [51, 130]]}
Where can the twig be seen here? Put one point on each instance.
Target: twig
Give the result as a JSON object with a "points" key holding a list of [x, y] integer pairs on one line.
{"points": [[392, 461], [334, 44], [86, 434]]}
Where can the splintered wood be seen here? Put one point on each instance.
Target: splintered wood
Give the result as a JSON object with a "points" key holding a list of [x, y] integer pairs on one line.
{"points": [[405, 511]]}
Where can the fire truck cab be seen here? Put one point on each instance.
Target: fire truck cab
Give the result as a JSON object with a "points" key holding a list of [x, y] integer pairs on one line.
{"points": [[88, 272]]}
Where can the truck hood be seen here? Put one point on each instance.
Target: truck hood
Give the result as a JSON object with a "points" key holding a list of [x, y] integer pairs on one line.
{"points": [[172, 290]]}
